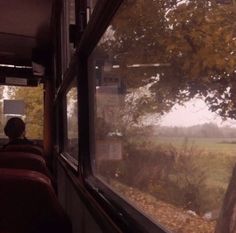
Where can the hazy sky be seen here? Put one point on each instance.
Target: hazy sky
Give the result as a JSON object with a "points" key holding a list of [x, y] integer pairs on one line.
{"points": [[192, 113]]}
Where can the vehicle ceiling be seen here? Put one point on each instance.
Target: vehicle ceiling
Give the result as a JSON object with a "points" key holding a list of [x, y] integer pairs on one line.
{"points": [[24, 25]]}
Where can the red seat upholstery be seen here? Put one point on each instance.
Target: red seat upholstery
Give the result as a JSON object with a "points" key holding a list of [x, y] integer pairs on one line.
{"points": [[28, 204], [22, 160], [25, 148]]}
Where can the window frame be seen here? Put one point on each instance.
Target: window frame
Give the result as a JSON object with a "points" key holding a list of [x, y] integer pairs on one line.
{"points": [[60, 101], [68, 72], [89, 10], [126, 217]]}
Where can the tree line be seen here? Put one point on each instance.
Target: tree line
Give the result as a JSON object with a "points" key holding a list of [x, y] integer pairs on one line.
{"points": [[209, 130]]}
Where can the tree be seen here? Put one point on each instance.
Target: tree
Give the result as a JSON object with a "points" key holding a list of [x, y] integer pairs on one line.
{"points": [[227, 221], [72, 113], [191, 44]]}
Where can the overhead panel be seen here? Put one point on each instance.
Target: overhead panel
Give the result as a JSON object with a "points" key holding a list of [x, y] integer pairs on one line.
{"points": [[23, 24]]}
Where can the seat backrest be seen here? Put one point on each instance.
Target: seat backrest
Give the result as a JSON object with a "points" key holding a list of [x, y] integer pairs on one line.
{"points": [[22, 160], [29, 204], [25, 148]]}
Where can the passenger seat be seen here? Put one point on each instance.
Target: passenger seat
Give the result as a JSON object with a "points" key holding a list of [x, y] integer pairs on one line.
{"points": [[29, 204]]}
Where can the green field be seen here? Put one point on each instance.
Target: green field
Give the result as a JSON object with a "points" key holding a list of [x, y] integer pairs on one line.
{"points": [[212, 145], [217, 157]]}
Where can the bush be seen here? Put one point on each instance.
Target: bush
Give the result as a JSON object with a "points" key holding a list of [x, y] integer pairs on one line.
{"points": [[176, 176]]}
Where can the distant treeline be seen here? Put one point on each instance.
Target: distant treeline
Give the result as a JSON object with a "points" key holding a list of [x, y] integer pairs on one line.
{"points": [[204, 130]]}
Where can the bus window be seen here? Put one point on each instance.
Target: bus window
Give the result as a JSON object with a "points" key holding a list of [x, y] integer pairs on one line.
{"points": [[31, 100], [164, 109], [71, 139]]}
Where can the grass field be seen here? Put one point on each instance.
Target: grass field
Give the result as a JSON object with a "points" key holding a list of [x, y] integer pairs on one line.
{"points": [[217, 158], [213, 145]]}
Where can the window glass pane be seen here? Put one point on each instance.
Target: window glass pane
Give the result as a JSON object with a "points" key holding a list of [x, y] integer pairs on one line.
{"points": [[163, 76], [28, 105], [71, 141]]}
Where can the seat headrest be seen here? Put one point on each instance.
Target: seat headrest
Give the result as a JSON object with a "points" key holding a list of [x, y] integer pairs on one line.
{"points": [[21, 160]]}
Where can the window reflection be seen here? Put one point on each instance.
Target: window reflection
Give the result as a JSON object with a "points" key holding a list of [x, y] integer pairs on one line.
{"points": [[165, 129], [71, 142]]}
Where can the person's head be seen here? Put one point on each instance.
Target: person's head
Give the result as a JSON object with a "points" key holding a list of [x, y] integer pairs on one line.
{"points": [[15, 128]]}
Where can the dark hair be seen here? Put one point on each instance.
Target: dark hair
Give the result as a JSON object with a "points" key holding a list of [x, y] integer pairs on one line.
{"points": [[14, 127]]}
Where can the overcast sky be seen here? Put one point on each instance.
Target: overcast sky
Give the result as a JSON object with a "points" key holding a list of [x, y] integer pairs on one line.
{"points": [[194, 112]]}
